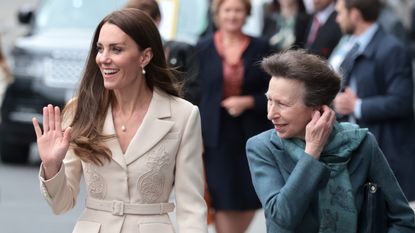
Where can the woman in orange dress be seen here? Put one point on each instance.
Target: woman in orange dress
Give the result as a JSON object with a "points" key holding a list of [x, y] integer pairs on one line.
{"points": [[233, 107]]}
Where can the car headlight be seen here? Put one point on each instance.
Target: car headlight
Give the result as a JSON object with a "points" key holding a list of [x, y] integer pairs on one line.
{"points": [[26, 65]]}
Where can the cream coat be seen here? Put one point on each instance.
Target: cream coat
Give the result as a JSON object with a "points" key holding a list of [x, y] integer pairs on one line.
{"points": [[166, 151]]}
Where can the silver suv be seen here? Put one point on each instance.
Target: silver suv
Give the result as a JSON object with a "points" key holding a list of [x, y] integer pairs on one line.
{"points": [[47, 65]]}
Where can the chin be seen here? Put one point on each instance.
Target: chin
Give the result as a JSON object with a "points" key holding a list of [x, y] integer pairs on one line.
{"points": [[109, 86], [281, 135]]}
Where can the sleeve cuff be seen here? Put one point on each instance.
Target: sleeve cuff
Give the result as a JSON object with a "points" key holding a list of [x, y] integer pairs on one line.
{"points": [[51, 186], [358, 109]]}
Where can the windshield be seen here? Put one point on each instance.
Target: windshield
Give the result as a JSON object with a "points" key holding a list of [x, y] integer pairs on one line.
{"points": [[63, 14]]}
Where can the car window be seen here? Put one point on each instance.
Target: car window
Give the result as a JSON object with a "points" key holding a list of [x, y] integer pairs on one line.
{"points": [[62, 14]]}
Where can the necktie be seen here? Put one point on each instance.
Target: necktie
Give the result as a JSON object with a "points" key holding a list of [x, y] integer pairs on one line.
{"points": [[347, 64], [313, 31]]}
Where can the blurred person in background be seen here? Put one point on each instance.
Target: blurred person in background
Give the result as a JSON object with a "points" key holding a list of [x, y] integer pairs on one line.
{"points": [[151, 7], [232, 108], [392, 23], [180, 55], [5, 76], [323, 33], [129, 134], [310, 171], [377, 88], [387, 20], [285, 22], [412, 37]]}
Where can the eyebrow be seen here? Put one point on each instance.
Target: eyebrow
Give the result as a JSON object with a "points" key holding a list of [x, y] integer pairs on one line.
{"points": [[113, 44]]}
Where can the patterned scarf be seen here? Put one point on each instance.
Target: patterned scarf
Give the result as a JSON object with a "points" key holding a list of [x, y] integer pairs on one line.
{"points": [[337, 210]]}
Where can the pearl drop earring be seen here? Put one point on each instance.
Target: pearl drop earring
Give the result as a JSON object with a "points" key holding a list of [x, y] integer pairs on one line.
{"points": [[143, 71]]}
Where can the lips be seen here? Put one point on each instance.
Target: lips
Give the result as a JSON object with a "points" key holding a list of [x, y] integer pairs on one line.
{"points": [[279, 127], [110, 71]]}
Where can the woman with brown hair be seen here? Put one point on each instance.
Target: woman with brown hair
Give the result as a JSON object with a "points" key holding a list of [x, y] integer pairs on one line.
{"points": [[129, 134], [311, 172], [232, 108]]}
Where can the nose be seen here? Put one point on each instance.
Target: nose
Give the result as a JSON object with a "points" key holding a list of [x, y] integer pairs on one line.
{"points": [[273, 112], [103, 57]]}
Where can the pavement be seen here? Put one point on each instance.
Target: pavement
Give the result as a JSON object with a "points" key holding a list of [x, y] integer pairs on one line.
{"points": [[23, 209]]}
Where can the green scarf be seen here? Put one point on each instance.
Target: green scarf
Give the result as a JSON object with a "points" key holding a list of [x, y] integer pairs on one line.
{"points": [[337, 210]]}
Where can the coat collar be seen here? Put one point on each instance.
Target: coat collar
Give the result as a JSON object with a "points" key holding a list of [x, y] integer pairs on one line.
{"points": [[372, 46], [156, 124]]}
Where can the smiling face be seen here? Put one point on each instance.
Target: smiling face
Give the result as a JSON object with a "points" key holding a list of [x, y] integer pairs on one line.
{"points": [[231, 15], [119, 58], [286, 109]]}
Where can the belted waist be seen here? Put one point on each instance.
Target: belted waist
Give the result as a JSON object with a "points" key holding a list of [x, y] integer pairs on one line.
{"points": [[120, 207]]}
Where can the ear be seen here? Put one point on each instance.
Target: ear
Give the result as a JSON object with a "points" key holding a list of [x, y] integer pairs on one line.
{"points": [[318, 108], [354, 14], [147, 55]]}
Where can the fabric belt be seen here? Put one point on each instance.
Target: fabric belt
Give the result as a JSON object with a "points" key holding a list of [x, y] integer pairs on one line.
{"points": [[120, 207]]}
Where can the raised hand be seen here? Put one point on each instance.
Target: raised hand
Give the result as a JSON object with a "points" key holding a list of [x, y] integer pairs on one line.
{"points": [[318, 130], [52, 143]]}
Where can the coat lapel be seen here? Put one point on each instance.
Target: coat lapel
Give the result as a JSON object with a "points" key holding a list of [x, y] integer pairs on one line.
{"points": [[369, 50], [285, 160], [156, 124], [113, 143]]}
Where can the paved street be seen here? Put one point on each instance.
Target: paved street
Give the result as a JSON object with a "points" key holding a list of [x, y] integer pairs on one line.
{"points": [[23, 209]]}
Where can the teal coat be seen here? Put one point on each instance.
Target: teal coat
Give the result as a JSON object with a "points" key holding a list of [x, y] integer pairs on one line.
{"points": [[289, 190]]}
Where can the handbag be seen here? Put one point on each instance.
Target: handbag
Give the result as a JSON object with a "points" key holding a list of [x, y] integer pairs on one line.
{"points": [[373, 214]]}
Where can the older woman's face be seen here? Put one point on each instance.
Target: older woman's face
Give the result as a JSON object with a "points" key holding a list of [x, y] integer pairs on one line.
{"points": [[231, 15], [286, 109]]}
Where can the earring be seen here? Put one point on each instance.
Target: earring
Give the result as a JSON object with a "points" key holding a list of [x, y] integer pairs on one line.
{"points": [[143, 71]]}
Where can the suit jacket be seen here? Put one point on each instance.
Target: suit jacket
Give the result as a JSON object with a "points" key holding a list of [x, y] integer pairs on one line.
{"points": [[289, 190], [166, 150], [210, 79], [327, 37], [383, 74]]}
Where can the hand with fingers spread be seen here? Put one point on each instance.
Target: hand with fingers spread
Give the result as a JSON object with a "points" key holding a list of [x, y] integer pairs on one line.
{"points": [[318, 131], [52, 143]]}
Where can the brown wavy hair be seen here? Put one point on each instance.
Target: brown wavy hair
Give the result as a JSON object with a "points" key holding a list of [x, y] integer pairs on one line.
{"points": [[88, 110]]}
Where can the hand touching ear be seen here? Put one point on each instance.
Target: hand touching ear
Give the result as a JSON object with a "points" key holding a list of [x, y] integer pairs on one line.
{"points": [[318, 130], [52, 142]]}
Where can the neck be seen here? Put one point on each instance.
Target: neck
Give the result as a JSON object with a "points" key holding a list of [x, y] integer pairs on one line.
{"points": [[362, 28], [127, 102], [288, 10], [229, 38]]}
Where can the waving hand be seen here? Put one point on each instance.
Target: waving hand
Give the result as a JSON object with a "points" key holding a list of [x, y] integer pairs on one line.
{"points": [[52, 143]]}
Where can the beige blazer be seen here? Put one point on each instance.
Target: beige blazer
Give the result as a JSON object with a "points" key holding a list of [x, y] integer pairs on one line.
{"points": [[166, 151]]}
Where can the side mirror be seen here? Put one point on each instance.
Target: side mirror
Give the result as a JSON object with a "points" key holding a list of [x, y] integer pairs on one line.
{"points": [[25, 14]]}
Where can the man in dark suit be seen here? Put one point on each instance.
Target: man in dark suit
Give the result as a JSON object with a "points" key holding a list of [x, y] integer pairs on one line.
{"points": [[323, 33], [378, 87]]}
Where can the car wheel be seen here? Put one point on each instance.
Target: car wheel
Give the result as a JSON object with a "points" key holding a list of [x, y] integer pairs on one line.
{"points": [[14, 153]]}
